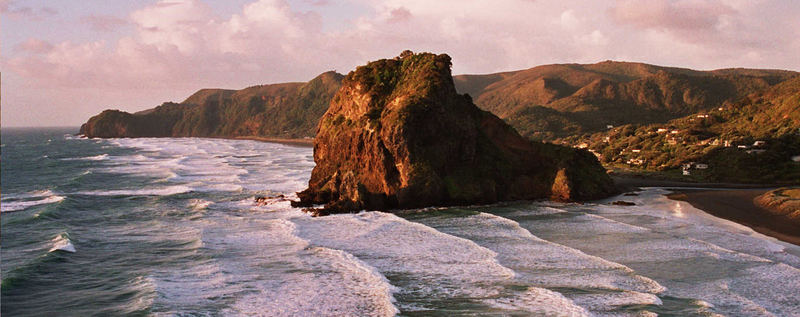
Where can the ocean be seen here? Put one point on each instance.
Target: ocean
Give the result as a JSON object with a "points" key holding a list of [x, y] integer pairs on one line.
{"points": [[168, 226]]}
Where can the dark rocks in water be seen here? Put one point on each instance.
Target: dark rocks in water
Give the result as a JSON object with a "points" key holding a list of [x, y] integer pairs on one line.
{"points": [[623, 203], [398, 135], [267, 200]]}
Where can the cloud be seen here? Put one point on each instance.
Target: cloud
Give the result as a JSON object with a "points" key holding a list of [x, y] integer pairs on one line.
{"points": [[103, 23], [399, 15], [169, 49], [185, 44], [35, 46], [691, 15], [11, 9]]}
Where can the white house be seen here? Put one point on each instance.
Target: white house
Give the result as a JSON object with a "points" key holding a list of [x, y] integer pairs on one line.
{"points": [[701, 166], [759, 143]]}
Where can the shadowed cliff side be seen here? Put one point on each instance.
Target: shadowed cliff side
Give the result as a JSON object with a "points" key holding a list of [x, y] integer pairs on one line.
{"points": [[398, 135], [288, 110]]}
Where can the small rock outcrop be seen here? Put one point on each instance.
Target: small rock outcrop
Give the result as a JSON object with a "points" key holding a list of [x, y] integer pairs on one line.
{"points": [[398, 135]]}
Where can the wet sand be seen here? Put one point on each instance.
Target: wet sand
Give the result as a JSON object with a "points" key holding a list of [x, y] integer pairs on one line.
{"points": [[737, 205], [287, 141]]}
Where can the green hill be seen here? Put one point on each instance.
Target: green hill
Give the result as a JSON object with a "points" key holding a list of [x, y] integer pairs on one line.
{"points": [[750, 140], [554, 101], [289, 110]]}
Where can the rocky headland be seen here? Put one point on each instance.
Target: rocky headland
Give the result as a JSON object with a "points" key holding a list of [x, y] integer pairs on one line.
{"points": [[285, 111], [398, 135]]}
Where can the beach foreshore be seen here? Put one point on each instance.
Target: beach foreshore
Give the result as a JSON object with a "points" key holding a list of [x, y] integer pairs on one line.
{"points": [[737, 205], [729, 201], [288, 141]]}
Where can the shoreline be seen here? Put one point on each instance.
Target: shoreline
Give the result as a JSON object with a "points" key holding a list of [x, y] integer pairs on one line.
{"points": [[737, 205], [286, 141], [628, 183]]}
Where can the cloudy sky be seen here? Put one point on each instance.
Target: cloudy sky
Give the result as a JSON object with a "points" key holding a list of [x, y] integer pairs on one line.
{"points": [[64, 61]]}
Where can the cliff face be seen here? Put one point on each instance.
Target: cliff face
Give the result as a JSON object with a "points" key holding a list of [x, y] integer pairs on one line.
{"points": [[281, 110], [398, 135]]}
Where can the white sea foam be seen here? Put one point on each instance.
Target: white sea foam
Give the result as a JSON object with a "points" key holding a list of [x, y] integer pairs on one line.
{"points": [[545, 264], [693, 254], [434, 265], [540, 302], [62, 243], [199, 204], [277, 273], [340, 284], [164, 191], [99, 157], [209, 165], [31, 194], [8, 205]]}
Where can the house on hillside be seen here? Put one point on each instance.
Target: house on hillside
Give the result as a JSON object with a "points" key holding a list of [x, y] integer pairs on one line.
{"points": [[702, 116], [636, 162], [796, 158], [743, 147], [759, 143], [701, 166], [662, 130]]}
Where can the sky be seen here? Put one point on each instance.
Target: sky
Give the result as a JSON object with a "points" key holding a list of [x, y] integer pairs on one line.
{"points": [[63, 61]]}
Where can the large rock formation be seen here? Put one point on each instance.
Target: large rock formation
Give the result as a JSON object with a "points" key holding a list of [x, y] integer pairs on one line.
{"points": [[398, 135]]}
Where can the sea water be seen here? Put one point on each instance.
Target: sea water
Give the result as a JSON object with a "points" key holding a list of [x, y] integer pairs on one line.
{"points": [[167, 226]]}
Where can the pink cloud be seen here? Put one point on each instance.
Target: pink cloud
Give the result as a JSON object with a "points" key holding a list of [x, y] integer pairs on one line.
{"points": [[671, 14], [399, 15], [35, 46], [179, 46], [12, 9], [103, 23]]}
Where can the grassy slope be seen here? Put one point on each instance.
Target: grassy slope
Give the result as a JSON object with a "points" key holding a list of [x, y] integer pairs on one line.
{"points": [[772, 116], [288, 110], [552, 101]]}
